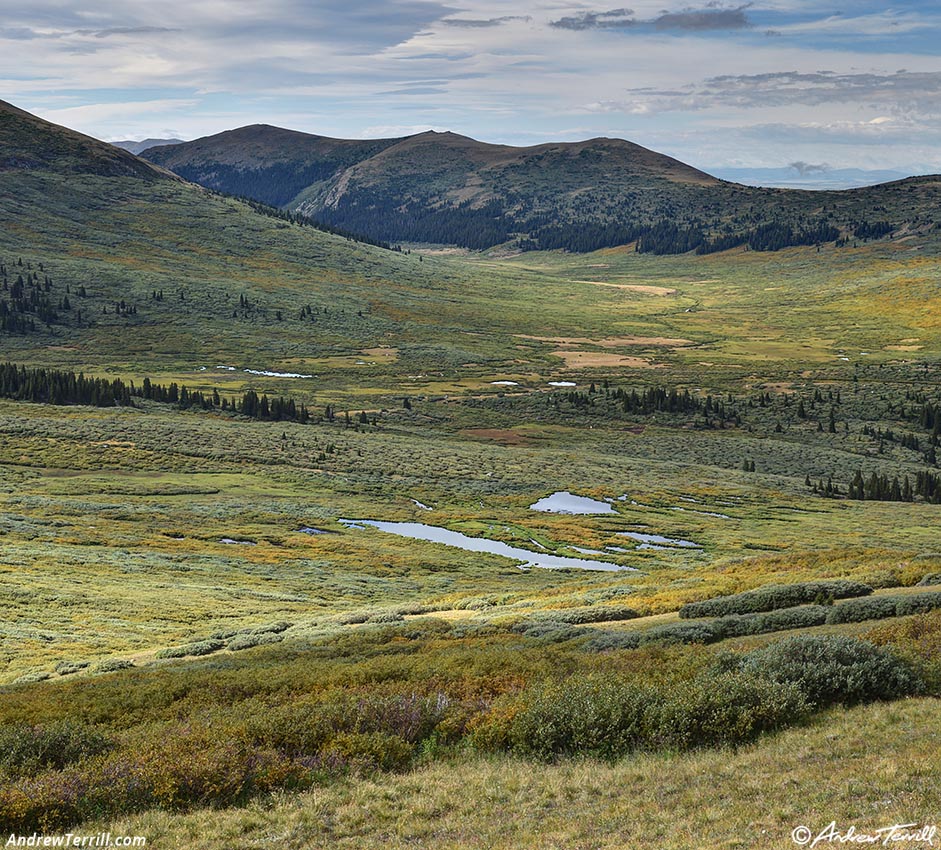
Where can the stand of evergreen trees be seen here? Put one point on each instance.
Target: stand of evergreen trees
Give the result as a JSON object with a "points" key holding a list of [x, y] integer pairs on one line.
{"points": [[26, 299], [52, 386], [306, 221], [471, 227], [881, 488]]}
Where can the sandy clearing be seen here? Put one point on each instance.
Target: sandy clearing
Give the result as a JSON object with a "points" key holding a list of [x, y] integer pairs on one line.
{"points": [[643, 289], [585, 359]]}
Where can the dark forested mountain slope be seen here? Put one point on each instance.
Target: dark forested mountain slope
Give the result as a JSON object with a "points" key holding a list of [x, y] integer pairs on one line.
{"points": [[446, 188]]}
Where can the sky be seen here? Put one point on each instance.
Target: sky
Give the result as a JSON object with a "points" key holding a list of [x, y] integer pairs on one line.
{"points": [[761, 84]]}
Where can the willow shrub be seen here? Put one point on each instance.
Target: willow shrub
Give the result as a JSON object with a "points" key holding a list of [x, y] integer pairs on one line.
{"points": [[608, 717], [774, 596], [832, 669]]}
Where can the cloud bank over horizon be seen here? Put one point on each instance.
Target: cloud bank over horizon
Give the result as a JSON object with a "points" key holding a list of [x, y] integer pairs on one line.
{"points": [[758, 84]]}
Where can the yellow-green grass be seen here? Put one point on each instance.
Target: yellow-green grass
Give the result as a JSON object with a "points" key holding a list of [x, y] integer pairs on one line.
{"points": [[459, 321], [114, 522]]}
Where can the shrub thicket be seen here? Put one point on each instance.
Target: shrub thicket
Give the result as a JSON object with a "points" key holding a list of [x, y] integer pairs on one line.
{"points": [[711, 631], [883, 607], [26, 749], [774, 596], [608, 717]]}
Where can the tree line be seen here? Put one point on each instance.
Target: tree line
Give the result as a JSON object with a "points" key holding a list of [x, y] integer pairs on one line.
{"points": [[53, 386]]}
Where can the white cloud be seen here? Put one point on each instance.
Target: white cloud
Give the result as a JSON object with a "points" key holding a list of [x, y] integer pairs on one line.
{"points": [[364, 67]]}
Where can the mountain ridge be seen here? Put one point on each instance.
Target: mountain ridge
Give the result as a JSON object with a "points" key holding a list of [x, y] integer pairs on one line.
{"points": [[446, 188], [137, 148]]}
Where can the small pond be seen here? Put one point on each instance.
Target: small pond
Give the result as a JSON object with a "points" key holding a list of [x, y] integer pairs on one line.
{"points": [[568, 503], [434, 534], [648, 541]]}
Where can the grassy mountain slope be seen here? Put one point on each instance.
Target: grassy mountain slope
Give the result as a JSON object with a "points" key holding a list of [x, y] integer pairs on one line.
{"points": [[450, 189], [28, 143]]}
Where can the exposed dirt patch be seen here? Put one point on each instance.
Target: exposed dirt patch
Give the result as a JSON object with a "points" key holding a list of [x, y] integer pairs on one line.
{"points": [[585, 359], [381, 353], [643, 289]]}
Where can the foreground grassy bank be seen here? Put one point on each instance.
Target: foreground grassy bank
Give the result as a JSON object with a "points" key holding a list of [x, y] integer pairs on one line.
{"points": [[870, 766], [223, 732]]}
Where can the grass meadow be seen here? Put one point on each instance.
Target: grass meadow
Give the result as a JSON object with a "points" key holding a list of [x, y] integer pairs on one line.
{"points": [[187, 620]]}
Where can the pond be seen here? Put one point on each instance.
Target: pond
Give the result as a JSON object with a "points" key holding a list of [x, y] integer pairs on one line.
{"points": [[649, 541], [567, 503], [434, 534]]}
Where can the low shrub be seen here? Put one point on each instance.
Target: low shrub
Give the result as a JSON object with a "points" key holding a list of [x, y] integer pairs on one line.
{"points": [[728, 708], [917, 603], [801, 617], [66, 668], [674, 633], [551, 631], [272, 628], [202, 647], [386, 617], [883, 607], [711, 631], [31, 678], [352, 618], [368, 751], [112, 664], [917, 639], [603, 641], [930, 580], [834, 669], [425, 628], [240, 642], [593, 614], [608, 717], [188, 767], [773, 597], [26, 749], [597, 715]]}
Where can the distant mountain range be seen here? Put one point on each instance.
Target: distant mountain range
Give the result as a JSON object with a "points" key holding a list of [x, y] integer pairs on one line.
{"points": [[813, 177], [140, 147], [580, 196], [443, 188]]}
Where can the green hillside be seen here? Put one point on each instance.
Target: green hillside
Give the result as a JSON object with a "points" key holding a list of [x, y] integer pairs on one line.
{"points": [[28, 143]]}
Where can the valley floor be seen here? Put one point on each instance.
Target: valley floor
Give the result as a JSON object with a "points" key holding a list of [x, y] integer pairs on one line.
{"points": [[718, 408]]}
